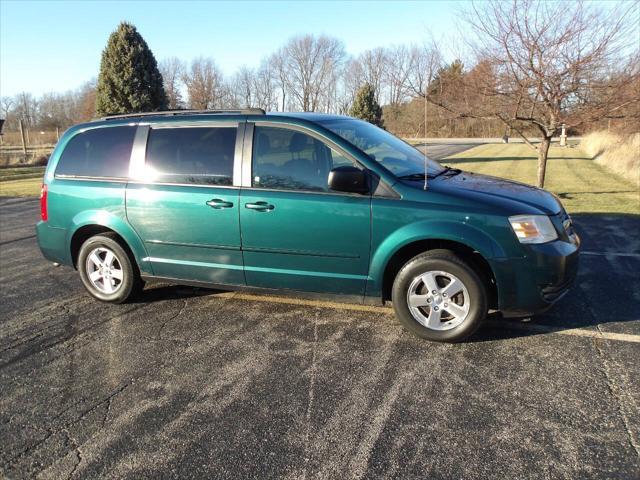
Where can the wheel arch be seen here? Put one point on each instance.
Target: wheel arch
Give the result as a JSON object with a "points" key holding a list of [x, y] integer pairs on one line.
{"points": [[470, 256], [470, 244], [95, 223]]}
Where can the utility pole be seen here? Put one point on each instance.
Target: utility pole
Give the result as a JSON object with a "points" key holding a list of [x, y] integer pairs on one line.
{"points": [[24, 143]]}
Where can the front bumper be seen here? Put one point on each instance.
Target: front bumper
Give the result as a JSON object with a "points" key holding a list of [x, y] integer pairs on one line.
{"points": [[533, 283]]}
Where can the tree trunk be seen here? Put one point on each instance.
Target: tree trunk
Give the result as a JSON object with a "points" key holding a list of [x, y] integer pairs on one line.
{"points": [[543, 152]]}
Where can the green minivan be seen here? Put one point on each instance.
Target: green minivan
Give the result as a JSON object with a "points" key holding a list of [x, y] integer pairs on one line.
{"points": [[300, 202]]}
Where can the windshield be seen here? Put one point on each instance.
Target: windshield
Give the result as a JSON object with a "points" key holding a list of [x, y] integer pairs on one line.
{"points": [[398, 157]]}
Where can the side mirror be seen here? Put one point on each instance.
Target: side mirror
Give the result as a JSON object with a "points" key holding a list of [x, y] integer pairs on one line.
{"points": [[348, 179]]}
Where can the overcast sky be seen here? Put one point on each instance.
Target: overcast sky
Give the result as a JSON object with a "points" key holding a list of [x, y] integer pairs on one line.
{"points": [[55, 46]]}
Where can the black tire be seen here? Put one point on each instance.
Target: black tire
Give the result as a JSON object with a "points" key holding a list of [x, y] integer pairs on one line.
{"points": [[442, 261], [128, 287]]}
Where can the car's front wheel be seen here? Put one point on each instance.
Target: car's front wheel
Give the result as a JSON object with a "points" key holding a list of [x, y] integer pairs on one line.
{"points": [[438, 296], [106, 270]]}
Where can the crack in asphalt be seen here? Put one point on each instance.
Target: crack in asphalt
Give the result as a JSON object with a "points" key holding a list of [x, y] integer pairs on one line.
{"points": [[6, 242], [52, 431], [311, 393], [616, 394], [64, 337], [612, 387], [45, 316], [164, 324], [78, 452], [379, 417]]}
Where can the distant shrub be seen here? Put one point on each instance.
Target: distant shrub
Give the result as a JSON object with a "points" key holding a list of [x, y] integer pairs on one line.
{"points": [[366, 107], [621, 154], [41, 161]]}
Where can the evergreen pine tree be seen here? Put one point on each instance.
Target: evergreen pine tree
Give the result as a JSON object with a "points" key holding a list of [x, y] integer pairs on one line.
{"points": [[129, 80], [365, 106]]}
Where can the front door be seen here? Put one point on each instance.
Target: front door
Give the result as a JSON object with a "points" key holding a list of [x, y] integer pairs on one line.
{"points": [[296, 233], [184, 204]]}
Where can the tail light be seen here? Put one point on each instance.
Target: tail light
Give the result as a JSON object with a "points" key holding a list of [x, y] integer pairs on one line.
{"points": [[43, 203]]}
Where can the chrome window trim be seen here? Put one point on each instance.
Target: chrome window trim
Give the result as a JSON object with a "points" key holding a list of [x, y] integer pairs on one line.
{"points": [[237, 157], [178, 184], [138, 152], [331, 192], [91, 179], [247, 153]]}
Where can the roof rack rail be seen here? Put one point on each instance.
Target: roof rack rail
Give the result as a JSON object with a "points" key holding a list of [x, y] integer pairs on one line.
{"points": [[169, 113]]}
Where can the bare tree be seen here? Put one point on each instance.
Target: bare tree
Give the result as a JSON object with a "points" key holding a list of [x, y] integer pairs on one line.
{"points": [[172, 70], [25, 108], [368, 67], [85, 104], [278, 61], [244, 84], [546, 65], [6, 104], [56, 110], [397, 72], [204, 84], [265, 87], [425, 60], [309, 63]]}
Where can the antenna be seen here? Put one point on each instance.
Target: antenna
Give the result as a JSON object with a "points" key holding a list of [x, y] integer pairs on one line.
{"points": [[426, 168]]}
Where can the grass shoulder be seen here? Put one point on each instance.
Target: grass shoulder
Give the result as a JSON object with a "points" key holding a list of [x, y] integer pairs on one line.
{"points": [[583, 185]]}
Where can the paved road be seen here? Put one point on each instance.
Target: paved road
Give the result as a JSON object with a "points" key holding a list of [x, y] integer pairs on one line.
{"points": [[197, 383], [438, 151]]}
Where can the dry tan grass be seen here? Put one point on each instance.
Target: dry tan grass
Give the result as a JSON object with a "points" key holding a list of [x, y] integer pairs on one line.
{"points": [[620, 154]]}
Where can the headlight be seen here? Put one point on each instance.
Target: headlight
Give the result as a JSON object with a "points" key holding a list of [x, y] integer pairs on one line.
{"points": [[533, 228]]}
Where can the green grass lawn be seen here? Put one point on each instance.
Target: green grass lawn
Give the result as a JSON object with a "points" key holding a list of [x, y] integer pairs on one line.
{"points": [[20, 171], [26, 187], [21, 181], [583, 185]]}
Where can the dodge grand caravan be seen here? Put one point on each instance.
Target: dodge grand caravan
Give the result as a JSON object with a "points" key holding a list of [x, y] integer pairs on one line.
{"points": [[300, 201]]}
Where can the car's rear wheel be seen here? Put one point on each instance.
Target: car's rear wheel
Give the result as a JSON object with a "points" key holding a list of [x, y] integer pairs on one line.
{"points": [[107, 271], [437, 296]]}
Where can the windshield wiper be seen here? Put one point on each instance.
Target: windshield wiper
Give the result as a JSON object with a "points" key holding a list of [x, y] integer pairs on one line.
{"points": [[449, 172], [415, 176]]}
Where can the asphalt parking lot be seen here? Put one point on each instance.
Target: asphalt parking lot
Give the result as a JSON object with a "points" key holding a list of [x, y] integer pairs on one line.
{"points": [[198, 383]]}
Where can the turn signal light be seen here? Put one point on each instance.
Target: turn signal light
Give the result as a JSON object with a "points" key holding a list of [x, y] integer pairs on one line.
{"points": [[533, 228]]}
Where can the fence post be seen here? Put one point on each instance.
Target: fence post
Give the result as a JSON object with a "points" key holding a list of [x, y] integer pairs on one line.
{"points": [[24, 143], [57, 134]]}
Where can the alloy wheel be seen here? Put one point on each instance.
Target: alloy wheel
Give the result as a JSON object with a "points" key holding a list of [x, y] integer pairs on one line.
{"points": [[438, 300], [104, 270]]}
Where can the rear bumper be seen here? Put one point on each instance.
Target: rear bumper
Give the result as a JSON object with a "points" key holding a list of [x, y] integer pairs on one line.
{"points": [[533, 283], [52, 242]]}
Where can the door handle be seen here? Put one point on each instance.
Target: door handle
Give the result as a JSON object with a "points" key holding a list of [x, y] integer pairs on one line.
{"points": [[260, 206], [218, 203]]}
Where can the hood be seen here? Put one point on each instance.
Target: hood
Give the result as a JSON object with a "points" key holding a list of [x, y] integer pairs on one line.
{"points": [[500, 190]]}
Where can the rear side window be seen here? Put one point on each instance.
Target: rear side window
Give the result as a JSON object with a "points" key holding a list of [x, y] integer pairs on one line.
{"points": [[199, 155], [100, 152]]}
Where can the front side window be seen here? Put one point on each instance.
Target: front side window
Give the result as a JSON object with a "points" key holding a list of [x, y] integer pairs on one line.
{"points": [[99, 152], [198, 155], [398, 157], [286, 159]]}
